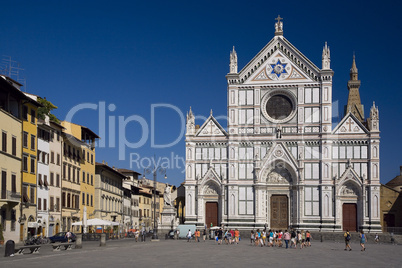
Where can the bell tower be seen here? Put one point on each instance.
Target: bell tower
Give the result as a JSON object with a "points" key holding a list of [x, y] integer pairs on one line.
{"points": [[354, 104]]}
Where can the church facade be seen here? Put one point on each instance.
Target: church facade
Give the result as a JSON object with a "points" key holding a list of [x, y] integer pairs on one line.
{"points": [[280, 162]]}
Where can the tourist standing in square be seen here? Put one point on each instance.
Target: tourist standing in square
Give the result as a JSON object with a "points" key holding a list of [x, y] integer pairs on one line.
{"points": [[348, 237], [362, 240]]}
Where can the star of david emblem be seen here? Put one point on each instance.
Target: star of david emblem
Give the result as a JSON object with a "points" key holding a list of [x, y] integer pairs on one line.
{"points": [[278, 68]]}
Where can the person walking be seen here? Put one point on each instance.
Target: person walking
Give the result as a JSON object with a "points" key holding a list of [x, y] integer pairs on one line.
{"points": [[252, 237], [308, 239], [143, 234], [177, 234], [68, 235], [237, 236], [293, 238], [204, 234], [362, 240], [376, 238], [286, 238], [299, 240], [348, 237], [189, 235], [264, 237], [136, 235], [271, 238], [279, 238], [220, 234]]}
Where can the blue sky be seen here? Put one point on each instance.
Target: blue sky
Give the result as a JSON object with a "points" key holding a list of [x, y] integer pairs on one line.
{"points": [[132, 54]]}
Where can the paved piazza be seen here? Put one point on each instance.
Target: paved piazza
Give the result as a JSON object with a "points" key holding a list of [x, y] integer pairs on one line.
{"points": [[172, 253]]}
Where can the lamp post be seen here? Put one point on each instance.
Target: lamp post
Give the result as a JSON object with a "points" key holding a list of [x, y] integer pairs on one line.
{"points": [[154, 171]]}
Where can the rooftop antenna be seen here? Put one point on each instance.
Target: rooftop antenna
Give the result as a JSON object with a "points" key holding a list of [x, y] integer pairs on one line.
{"points": [[11, 68]]}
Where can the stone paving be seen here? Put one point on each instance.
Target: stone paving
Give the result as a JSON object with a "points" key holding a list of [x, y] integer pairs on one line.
{"points": [[173, 253]]}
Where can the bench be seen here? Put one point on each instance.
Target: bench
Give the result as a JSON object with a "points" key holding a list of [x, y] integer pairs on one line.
{"points": [[32, 248], [66, 246]]}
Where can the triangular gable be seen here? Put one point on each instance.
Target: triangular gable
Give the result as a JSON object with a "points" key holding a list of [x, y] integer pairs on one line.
{"points": [[211, 127], [210, 175], [350, 175], [350, 124], [279, 152], [296, 66], [279, 68]]}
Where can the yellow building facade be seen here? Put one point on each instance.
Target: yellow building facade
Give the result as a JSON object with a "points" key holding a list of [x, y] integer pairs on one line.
{"points": [[29, 168], [10, 166], [145, 208], [87, 165], [11, 100]]}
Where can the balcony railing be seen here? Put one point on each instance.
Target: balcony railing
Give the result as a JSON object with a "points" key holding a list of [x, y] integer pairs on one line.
{"points": [[10, 196]]}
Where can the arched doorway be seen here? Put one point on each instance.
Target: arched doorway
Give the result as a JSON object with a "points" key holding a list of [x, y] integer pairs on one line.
{"points": [[349, 195], [278, 177], [210, 198]]}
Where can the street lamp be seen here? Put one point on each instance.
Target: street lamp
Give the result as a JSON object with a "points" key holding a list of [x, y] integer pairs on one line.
{"points": [[154, 171]]}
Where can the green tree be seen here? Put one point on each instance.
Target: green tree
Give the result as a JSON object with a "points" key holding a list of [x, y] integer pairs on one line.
{"points": [[46, 110]]}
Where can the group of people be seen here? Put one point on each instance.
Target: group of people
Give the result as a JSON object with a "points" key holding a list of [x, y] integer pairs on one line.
{"points": [[363, 239], [197, 235], [228, 236], [273, 238]]}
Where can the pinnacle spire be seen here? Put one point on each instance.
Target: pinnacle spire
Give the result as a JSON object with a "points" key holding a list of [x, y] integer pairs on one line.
{"points": [[233, 61], [354, 71], [326, 57]]}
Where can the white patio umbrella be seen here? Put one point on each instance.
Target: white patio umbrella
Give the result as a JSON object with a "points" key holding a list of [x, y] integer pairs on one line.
{"points": [[94, 222], [98, 222]]}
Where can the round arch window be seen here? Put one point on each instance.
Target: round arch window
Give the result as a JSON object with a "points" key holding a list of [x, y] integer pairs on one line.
{"points": [[279, 106]]}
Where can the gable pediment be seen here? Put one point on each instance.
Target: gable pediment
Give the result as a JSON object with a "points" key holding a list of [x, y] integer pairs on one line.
{"points": [[350, 125], [280, 152], [350, 176], [279, 61], [279, 68], [211, 127], [210, 175]]}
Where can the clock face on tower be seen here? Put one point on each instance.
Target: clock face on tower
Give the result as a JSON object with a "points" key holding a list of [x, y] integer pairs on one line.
{"points": [[278, 106]]}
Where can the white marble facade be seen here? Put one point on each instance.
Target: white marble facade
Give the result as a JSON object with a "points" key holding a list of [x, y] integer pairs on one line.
{"points": [[280, 142]]}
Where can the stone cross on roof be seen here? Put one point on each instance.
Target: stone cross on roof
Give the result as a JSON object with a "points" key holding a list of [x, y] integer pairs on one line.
{"points": [[279, 26]]}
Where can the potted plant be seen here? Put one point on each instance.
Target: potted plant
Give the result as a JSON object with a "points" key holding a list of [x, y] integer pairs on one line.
{"points": [[1, 235]]}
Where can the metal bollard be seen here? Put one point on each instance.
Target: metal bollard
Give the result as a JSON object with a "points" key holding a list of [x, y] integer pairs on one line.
{"points": [[78, 241], [102, 239]]}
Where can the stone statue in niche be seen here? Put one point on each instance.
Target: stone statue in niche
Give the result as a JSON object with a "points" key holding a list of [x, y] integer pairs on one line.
{"points": [[279, 132]]}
